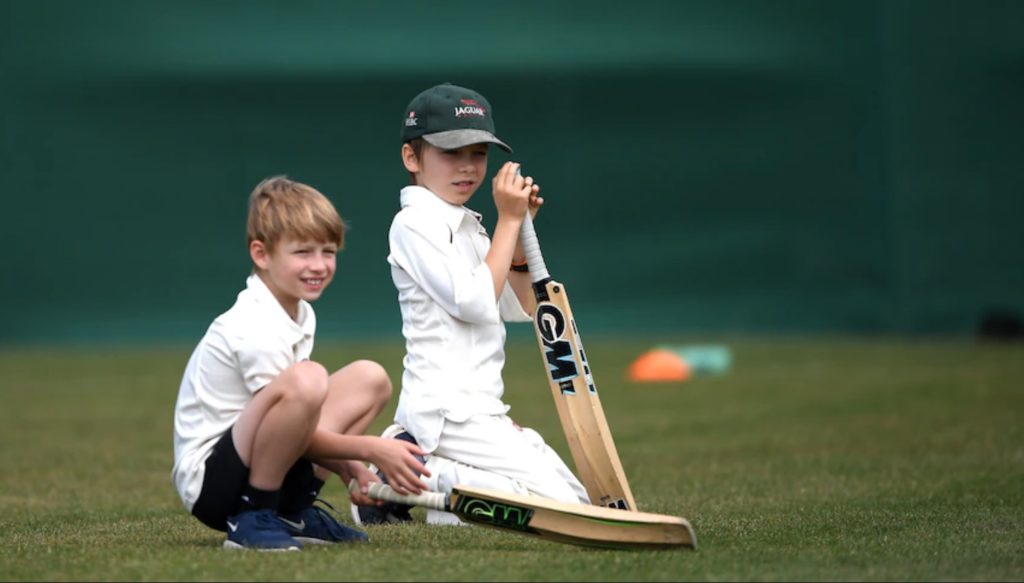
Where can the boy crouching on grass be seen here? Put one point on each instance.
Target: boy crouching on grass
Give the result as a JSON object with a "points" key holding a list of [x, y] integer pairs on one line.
{"points": [[258, 427]]}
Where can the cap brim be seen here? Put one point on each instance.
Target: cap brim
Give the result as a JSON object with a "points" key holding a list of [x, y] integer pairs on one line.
{"points": [[454, 139]]}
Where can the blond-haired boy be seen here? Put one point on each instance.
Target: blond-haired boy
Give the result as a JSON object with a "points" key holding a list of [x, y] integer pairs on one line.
{"points": [[258, 427]]}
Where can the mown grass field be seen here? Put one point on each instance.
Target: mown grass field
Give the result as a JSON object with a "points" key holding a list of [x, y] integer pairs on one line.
{"points": [[812, 459]]}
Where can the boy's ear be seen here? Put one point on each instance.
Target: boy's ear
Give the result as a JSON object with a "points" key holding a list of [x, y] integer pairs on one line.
{"points": [[409, 159], [259, 253]]}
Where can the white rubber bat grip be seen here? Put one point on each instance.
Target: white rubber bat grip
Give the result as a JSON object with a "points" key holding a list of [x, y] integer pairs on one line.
{"points": [[379, 491], [534, 258]]}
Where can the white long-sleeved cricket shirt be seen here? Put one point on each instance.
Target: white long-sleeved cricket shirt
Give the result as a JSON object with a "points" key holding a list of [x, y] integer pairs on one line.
{"points": [[454, 328]]}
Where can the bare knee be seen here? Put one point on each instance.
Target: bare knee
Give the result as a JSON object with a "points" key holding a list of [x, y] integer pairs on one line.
{"points": [[303, 384], [308, 383], [376, 378]]}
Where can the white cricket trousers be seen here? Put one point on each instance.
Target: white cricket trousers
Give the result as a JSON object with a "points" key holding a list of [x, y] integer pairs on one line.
{"points": [[491, 451]]}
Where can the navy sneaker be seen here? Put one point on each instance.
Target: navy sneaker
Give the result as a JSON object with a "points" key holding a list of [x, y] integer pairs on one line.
{"points": [[389, 512], [259, 530], [315, 525]]}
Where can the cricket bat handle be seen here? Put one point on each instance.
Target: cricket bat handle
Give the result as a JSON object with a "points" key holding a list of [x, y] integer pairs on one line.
{"points": [[534, 258], [381, 491]]}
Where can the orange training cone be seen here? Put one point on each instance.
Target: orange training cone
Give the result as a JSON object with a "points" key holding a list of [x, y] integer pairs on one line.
{"points": [[658, 366]]}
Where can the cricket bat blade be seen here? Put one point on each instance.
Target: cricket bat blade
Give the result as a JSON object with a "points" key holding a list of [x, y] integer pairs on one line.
{"points": [[576, 524]]}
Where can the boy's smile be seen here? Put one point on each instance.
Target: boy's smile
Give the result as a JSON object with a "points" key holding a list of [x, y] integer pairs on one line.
{"points": [[297, 270]]}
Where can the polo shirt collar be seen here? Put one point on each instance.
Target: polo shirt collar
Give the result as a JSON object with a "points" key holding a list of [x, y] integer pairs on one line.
{"points": [[420, 197], [303, 329]]}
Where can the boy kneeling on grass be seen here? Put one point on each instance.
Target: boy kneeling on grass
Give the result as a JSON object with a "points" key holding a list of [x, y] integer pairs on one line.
{"points": [[258, 427]]}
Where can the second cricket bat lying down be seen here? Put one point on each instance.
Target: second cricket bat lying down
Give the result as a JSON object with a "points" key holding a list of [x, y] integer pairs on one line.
{"points": [[577, 524]]}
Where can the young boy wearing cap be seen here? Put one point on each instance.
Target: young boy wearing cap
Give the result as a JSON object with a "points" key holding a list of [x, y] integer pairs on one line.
{"points": [[258, 426], [456, 288]]}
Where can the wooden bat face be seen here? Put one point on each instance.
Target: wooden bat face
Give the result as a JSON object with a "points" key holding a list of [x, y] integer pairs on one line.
{"points": [[577, 402], [563, 350], [490, 512], [576, 524]]}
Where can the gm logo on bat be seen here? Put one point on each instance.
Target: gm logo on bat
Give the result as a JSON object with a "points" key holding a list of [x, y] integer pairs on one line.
{"points": [[495, 513], [557, 350]]}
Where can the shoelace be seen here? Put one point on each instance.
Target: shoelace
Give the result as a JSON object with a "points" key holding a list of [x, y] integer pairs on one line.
{"points": [[322, 514], [325, 503]]}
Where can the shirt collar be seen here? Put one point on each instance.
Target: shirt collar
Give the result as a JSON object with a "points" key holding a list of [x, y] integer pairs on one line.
{"points": [[302, 329], [420, 197]]}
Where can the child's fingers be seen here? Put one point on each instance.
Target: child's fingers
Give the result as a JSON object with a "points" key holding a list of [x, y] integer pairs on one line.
{"points": [[405, 482], [507, 175], [414, 463], [515, 180], [361, 499], [528, 186], [405, 477], [417, 467], [509, 183], [360, 496], [502, 177]]}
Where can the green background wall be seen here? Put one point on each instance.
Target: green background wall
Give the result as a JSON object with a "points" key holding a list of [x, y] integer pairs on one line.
{"points": [[785, 166]]}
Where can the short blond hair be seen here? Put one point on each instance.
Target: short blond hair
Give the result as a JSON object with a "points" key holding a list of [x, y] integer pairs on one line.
{"points": [[280, 208]]}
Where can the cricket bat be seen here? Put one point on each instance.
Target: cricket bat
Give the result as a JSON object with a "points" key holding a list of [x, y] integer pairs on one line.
{"points": [[572, 385], [575, 524]]}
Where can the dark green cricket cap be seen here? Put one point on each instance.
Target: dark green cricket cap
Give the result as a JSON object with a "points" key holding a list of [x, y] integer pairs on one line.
{"points": [[448, 117]]}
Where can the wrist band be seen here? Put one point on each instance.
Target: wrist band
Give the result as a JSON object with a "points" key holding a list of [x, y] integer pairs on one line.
{"points": [[520, 267]]}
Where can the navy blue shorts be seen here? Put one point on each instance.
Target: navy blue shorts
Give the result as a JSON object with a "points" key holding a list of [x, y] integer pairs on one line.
{"points": [[226, 477]]}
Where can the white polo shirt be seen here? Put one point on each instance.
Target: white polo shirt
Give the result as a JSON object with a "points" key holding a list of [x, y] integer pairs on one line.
{"points": [[243, 350], [454, 329]]}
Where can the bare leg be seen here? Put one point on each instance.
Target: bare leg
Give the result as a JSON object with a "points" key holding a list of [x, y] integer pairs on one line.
{"points": [[276, 426], [356, 394]]}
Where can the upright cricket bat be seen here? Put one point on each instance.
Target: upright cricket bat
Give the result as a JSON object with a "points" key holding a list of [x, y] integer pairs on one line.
{"points": [[572, 385], [576, 524]]}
